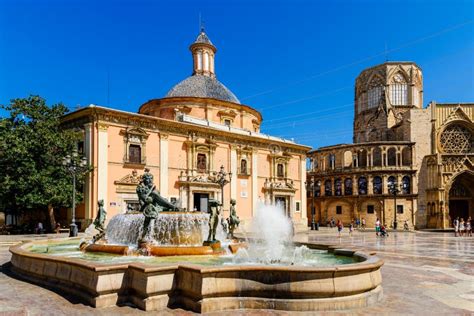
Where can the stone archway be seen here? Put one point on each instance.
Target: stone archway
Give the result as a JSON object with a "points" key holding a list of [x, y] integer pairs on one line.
{"points": [[461, 196]]}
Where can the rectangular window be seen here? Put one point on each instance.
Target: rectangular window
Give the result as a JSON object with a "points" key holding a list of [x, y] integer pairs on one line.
{"points": [[201, 162], [280, 170], [370, 209], [338, 209], [297, 206], [375, 95], [399, 95], [135, 154], [399, 209], [227, 122]]}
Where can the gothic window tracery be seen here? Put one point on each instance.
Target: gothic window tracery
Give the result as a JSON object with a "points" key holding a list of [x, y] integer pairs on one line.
{"points": [[456, 139], [374, 94], [406, 187]]}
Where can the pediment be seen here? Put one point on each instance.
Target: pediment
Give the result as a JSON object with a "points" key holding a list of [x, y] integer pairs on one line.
{"points": [[129, 179], [457, 115]]}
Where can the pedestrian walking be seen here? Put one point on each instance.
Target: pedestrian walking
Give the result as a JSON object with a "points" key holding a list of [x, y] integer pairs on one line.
{"points": [[469, 227], [363, 223], [339, 227], [377, 226], [456, 226], [461, 227], [351, 228]]}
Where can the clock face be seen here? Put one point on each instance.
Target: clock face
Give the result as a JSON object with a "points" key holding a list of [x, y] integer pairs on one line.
{"points": [[398, 78]]}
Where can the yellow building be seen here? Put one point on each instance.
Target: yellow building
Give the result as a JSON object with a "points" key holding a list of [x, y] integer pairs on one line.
{"points": [[184, 139], [427, 152]]}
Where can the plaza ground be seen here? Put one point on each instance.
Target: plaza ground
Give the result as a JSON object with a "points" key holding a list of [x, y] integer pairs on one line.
{"points": [[424, 273]]}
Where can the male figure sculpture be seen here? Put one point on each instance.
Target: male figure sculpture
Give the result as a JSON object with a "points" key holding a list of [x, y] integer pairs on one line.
{"points": [[214, 212], [99, 221], [151, 204], [233, 219]]}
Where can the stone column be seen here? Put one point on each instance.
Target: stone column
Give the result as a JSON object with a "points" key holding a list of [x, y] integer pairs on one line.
{"points": [[255, 187], [88, 178], [355, 186], [303, 187], [370, 185], [164, 165], [233, 169], [102, 165]]}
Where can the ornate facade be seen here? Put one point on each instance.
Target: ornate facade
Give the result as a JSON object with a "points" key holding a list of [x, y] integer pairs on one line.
{"points": [[426, 152], [184, 139]]}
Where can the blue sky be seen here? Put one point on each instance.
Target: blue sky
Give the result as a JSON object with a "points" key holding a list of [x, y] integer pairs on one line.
{"points": [[295, 61]]}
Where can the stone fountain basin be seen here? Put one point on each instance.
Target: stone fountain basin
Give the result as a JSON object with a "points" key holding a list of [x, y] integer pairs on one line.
{"points": [[205, 289]]}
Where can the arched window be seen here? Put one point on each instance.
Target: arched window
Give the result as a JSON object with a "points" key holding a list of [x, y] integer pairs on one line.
{"points": [[406, 156], [362, 185], [348, 186], [332, 161], [377, 182], [362, 158], [392, 156], [317, 188], [406, 185], [377, 157], [328, 188], [338, 187]]}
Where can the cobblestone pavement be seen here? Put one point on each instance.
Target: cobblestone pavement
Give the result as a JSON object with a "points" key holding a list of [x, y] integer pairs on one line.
{"points": [[424, 273]]}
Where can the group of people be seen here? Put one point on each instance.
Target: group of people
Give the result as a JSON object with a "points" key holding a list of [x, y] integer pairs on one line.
{"points": [[462, 228]]}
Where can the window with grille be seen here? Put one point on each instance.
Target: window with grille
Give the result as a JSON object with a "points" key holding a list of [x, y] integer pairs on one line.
{"points": [[375, 94], [135, 154], [399, 95]]}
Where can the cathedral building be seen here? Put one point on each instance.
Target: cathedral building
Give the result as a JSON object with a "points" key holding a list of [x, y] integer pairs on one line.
{"points": [[407, 163], [185, 139]]}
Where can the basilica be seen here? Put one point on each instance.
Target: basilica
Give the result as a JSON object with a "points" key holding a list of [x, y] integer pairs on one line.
{"points": [[198, 132], [408, 164]]}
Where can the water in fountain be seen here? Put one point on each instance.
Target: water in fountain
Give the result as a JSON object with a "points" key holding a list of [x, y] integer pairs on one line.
{"points": [[171, 229], [271, 239]]}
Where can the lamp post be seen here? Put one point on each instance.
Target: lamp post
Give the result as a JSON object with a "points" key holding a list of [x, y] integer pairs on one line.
{"points": [[393, 189], [221, 179], [74, 165], [312, 186]]}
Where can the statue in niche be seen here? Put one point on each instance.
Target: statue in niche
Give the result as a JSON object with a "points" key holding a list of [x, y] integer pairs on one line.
{"points": [[151, 204], [214, 211], [99, 222], [233, 219]]}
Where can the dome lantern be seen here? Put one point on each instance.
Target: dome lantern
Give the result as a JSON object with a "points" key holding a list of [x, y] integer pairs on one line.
{"points": [[203, 55]]}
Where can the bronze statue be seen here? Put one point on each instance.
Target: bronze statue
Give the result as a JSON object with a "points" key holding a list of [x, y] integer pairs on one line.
{"points": [[214, 212], [151, 203], [233, 219], [99, 222]]}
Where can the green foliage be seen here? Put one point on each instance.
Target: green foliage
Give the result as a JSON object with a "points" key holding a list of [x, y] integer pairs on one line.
{"points": [[32, 147]]}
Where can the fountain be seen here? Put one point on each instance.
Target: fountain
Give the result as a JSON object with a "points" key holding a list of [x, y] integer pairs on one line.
{"points": [[164, 257]]}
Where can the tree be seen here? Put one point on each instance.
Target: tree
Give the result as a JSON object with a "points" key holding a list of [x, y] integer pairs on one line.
{"points": [[32, 146]]}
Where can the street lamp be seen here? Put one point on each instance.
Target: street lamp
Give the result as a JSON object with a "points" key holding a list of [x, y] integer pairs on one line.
{"points": [[74, 165], [393, 189], [312, 186], [221, 179]]}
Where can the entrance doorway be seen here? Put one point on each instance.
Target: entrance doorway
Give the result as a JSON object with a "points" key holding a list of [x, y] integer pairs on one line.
{"points": [[201, 202], [461, 197], [283, 202]]}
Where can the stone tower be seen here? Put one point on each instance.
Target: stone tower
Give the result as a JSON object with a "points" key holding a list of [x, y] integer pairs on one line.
{"points": [[384, 96]]}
